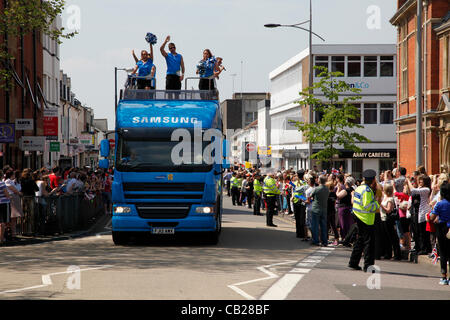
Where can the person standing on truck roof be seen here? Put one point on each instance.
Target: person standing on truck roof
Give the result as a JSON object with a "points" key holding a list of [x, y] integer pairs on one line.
{"points": [[219, 67], [175, 66], [209, 64], [145, 68]]}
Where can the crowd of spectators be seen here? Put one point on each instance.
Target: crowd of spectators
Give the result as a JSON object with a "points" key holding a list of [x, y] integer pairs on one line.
{"points": [[406, 225], [23, 190]]}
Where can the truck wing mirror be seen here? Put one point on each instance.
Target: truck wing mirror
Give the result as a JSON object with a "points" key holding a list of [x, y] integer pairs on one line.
{"points": [[104, 148]]}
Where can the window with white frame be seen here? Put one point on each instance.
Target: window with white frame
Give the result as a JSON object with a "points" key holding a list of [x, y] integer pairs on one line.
{"points": [[354, 66], [338, 64], [386, 66], [370, 113], [386, 113], [321, 61], [370, 66]]}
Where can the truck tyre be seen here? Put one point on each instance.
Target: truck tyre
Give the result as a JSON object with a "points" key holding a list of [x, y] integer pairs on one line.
{"points": [[213, 237], [119, 238]]}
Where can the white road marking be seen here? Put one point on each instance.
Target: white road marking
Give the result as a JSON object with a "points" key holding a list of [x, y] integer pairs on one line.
{"points": [[263, 269], [47, 281], [281, 289], [300, 270]]}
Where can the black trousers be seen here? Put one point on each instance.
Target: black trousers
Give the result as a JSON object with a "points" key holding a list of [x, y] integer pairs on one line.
{"points": [[415, 231], [228, 184], [365, 243], [270, 209], [257, 205], [380, 237], [392, 243], [300, 219], [444, 245], [235, 196], [249, 198], [424, 237], [173, 82]]}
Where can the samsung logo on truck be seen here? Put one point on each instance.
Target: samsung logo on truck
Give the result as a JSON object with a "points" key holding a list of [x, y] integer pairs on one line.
{"points": [[164, 120]]}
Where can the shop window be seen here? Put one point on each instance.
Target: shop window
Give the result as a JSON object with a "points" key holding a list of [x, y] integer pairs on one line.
{"points": [[387, 66], [357, 168], [370, 113], [386, 164], [370, 66], [354, 66], [387, 113]]}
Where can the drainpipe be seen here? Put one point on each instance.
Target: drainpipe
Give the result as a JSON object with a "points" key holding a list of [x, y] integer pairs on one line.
{"points": [[425, 60], [419, 86]]}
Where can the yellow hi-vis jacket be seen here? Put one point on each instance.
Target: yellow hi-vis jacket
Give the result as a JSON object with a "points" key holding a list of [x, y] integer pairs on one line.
{"points": [[234, 182], [365, 205], [270, 187], [257, 187]]}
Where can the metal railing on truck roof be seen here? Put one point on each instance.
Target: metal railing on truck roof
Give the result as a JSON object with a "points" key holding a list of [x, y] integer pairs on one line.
{"points": [[140, 94], [131, 91]]}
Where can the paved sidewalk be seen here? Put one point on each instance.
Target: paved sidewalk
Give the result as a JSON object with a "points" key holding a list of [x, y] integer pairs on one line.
{"points": [[291, 219]]}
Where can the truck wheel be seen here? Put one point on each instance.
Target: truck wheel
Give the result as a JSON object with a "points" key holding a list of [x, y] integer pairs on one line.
{"points": [[119, 238], [213, 237]]}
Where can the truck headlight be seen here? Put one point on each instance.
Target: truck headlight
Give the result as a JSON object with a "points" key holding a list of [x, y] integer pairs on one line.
{"points": [[122, 209], [205, 210]]}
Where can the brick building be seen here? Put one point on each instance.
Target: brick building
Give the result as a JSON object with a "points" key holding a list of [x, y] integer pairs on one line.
{"points": [[25, 99], [436, 83]]}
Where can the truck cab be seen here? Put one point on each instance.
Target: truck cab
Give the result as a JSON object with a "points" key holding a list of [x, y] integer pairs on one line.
{"points": [[164, 179]]}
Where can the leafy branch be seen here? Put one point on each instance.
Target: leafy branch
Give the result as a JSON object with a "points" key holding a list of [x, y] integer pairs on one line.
{"points": [[338, 115]]}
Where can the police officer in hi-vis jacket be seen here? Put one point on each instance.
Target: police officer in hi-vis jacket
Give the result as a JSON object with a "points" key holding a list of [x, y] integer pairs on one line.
{"points": [[364, 207], [270, 191]]}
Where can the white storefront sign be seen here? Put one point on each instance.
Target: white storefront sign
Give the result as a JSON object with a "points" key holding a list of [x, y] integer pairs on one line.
{"points": [[24, 124], [32, 143]]}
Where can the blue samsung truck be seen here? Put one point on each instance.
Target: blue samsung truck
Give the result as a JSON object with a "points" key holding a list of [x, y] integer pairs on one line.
{"points": [[152, 192]]}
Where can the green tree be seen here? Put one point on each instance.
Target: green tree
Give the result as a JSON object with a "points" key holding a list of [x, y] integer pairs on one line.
{"points": [[21, 17], [336, 125]]}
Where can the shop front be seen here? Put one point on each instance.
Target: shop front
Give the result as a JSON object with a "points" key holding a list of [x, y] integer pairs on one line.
{"points": [[356, 162]]}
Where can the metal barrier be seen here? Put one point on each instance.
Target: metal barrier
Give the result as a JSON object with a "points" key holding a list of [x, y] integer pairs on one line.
{"points": [[58, 214], [131, 94]]}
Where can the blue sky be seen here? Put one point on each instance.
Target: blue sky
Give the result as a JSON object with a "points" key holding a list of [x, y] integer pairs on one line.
{"points": [[232, 29]]}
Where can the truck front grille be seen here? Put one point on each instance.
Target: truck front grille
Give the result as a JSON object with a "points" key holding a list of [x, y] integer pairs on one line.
{"points": [[163, 210]]}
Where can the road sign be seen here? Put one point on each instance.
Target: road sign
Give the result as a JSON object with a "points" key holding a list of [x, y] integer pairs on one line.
{"points": [[55, 146], [265, 151], [250, 147]]}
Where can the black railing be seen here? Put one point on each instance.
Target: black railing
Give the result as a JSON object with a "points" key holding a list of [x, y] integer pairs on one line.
{"points": [[58, 214]]}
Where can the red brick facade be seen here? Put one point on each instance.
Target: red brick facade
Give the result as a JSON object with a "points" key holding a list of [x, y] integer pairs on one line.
{"points": [[33, 70], [435, 89]]}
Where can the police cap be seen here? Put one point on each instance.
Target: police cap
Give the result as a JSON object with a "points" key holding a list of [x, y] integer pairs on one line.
{"points": [[369, 174], [301, 172]]}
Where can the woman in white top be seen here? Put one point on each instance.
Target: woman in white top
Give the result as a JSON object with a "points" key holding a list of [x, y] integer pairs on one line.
{"points": [[14, 188], [424, 191], [387, 207]]}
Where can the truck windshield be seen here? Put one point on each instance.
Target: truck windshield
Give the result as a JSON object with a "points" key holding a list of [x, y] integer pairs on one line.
{"points": [[149, 155]]}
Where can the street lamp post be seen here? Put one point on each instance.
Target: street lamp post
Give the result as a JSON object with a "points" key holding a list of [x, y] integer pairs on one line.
{"points": [[297, 25]]}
